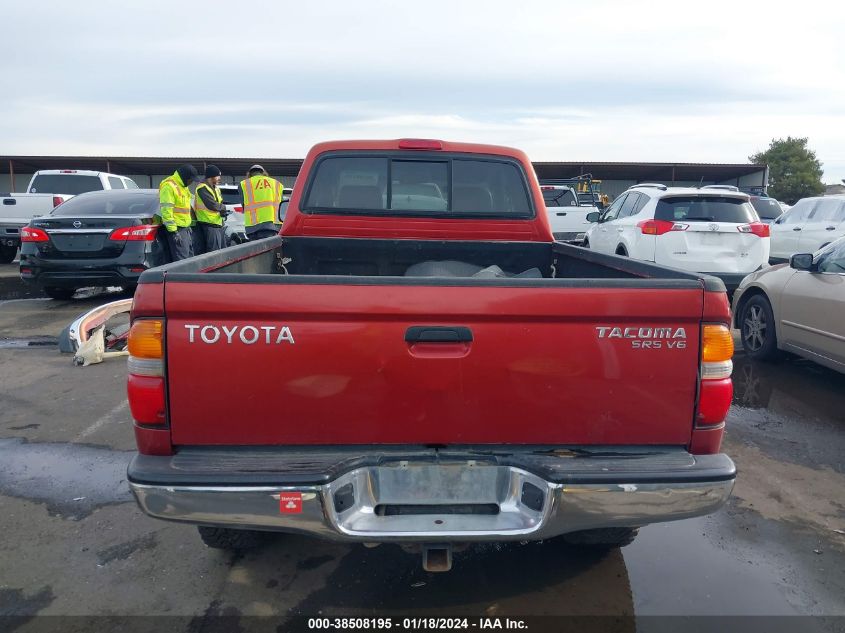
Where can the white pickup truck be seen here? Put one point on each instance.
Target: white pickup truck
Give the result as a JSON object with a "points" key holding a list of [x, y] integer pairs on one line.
{"points": [[46, 190], [567, 214]]}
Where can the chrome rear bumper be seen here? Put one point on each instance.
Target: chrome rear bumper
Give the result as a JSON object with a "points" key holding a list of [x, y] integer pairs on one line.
{"points": [[462, 500]]}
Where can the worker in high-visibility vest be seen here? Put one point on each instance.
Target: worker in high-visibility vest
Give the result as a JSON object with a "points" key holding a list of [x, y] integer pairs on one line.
{"points": [[262, 196], [174, 199], [210, 213]]}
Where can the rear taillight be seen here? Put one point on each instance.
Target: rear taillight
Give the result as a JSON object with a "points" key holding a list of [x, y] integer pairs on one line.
{"points": [[714, 399], [145, 385], [31, 234], [239, 209], [760, 229], [660, 227], [57, 200], [143, 233], [547, 188]]}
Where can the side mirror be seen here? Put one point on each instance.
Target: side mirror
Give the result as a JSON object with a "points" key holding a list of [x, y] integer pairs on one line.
{"points": [[593, 216], [802, 261]]}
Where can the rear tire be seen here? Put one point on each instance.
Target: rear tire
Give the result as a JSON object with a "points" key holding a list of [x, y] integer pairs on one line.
{"points": [[757, 329], [231, 540], [62, 294], [7, 254], [602, 537], [620, 250], [586, 243]]}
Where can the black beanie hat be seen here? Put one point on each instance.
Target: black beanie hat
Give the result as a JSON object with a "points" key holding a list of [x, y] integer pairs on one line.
{"points": [[212, 170], [188, 174]]}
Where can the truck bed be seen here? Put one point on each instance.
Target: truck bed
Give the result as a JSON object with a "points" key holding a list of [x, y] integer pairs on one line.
{"points": [[495, 360]]}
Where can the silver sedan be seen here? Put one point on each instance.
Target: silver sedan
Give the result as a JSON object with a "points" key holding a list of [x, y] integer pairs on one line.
{"points": [[796, 307]]}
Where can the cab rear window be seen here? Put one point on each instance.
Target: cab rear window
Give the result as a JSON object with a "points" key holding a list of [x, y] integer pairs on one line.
{"points": [[560, 198], [445, 185], [70, 184], [705, 209]]}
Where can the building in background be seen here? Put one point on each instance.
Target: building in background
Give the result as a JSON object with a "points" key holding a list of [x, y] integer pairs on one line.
{"points": [[15, 171]]}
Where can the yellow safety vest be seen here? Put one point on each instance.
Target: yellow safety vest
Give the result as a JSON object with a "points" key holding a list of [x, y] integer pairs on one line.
{"points": [[262, 197], [203, 213], [174, 200]]}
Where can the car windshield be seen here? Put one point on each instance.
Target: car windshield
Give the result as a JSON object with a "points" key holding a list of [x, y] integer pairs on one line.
{"points": [[71, 184], [560, 198], [114, 202], [767, 208], [705, 209]]}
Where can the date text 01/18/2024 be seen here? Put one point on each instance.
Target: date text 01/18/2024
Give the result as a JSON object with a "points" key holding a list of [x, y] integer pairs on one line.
{"points": [[415, 624]]}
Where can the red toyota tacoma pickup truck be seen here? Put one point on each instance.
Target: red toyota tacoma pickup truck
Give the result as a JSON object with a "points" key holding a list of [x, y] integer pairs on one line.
{"points": [[415, 360]]}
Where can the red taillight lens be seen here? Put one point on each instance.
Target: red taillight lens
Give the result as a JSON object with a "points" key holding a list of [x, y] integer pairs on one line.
{"points": [[57, 200], [31, 234], [760, 229], [660, 227], [419, 143], [145, 385], [239, 209], [714, 400], [143, 233], [547, 188], [146, 399]]}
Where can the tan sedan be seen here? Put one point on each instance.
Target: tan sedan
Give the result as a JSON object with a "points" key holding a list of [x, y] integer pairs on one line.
{"points": [[798, 307]]}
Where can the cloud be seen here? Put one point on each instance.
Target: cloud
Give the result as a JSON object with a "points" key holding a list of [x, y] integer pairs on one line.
{"points": [[564, 81]]}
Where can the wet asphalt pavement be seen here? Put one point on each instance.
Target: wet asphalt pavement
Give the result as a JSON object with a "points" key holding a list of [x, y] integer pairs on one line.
{"points": [[74, 543]]}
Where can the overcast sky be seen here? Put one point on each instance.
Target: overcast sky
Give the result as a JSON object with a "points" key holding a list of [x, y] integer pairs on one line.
{"points": [[595, 80]]}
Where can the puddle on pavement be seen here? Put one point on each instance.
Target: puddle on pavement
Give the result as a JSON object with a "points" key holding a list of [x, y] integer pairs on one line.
{"points": [[793, 408], [675, 569], [12, 288], [34, 342], [72, 480]]}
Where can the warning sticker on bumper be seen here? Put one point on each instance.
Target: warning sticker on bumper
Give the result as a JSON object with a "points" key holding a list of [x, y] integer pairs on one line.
{"points": [[290, 502]]}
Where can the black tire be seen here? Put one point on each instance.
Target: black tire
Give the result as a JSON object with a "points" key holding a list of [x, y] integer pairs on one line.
{"points": [[231, 540], [757, 329], [7, 254], [620, 250], [59, 293], [586, 243], [602, 537], [129, 288]]}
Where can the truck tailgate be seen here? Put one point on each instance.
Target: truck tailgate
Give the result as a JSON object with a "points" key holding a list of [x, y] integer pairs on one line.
{"points": [[545, 364]]}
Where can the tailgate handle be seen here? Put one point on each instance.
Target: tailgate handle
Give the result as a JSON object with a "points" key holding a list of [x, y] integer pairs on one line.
{"points": [[437, 334]]}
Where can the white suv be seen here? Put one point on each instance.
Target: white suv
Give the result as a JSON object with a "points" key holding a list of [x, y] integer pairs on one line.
{"points": [[811, 224], [712, 230]]}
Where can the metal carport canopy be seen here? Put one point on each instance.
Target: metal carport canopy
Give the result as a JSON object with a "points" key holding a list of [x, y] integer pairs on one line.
{"points": [[152, 166]]}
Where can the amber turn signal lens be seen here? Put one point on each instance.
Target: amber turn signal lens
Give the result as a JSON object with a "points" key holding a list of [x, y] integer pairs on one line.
{"points": [[145, 339], [717, 344]]}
